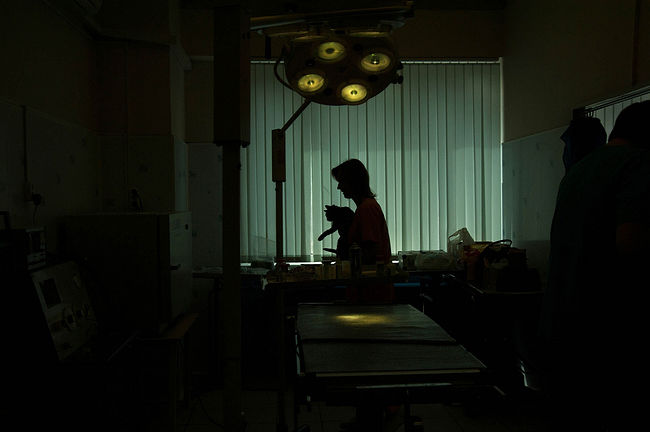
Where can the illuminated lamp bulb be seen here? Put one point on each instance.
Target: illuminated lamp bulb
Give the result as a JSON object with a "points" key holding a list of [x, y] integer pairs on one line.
{"points": [[311, 83], [331, 51], [354, 93], [375, 62]]}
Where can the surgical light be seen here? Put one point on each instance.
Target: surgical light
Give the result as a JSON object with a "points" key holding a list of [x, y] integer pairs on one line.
{"points": [[311, 83], [331, 51], [375, 62], [331, 67], [354, 93]]}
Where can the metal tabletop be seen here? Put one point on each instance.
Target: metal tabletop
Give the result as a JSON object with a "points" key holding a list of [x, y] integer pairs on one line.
{"points": [[395, 322], [379, 340]]}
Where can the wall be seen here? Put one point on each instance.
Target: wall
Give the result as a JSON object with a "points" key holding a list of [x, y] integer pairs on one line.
{"points": [[532, 170], [136, 125], [117, 106], [48, 119], [142, 106], [561, 55], [455, 34], [48, 64]]}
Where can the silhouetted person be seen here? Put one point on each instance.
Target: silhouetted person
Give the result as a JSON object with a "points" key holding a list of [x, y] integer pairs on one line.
{"points": [[369, 231], [593, 316], [584, 135], [368, 228]]}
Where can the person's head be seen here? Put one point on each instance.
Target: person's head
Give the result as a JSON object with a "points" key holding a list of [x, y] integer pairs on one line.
{"points": [[633, 125], [353, 179], [583, 135]]}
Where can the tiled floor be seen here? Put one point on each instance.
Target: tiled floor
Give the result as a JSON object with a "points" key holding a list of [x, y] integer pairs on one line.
{"points": [[508, 415]]}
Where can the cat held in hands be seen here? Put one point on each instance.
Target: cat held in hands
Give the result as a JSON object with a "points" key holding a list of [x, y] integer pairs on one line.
{"points": [[341, 218]]}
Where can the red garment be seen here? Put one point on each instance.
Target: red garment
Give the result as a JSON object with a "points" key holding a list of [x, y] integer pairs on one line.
{"points": [[369, 225]]}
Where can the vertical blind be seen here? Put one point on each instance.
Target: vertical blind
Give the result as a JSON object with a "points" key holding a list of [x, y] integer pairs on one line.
{"points": [[608, 112], [431, 145]]}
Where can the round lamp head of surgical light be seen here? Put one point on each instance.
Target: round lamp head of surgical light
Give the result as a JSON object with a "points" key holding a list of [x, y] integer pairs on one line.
{"points": [[354, 93], [331, 51], [375, 62], [311, 83]]}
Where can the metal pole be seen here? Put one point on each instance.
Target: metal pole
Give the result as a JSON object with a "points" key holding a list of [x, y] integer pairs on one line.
{"points": [[279, 177], [279, 227], [295, 115]]}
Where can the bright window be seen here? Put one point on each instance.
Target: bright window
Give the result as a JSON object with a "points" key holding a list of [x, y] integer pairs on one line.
{"points": [[431, 145]]}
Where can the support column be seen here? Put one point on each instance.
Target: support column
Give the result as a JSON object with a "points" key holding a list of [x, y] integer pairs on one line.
{"points": [[231, 130]]}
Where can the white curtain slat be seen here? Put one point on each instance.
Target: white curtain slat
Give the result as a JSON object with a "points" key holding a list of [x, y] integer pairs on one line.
{"points": [[495, 156], [423, 152], [416, 170], [262, 196], [407, 189], [489, 171], [319, 176], [452, 152], [301, 174], [380, 152], [432, 157], [371, 134], [442, 184], [431, 146], [471, 193], [396, 232], [362, 133], [389, 166]]}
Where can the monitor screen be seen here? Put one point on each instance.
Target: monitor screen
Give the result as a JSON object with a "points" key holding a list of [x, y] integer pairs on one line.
{"points": [[50, 292]]}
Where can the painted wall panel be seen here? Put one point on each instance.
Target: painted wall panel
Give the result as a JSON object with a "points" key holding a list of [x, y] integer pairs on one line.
{"points": [[560, 55], [63, 166], [150, 170], [47, 63], [113, 150], [148, 89], [12, 174], [199, 104], [532, 171]]}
